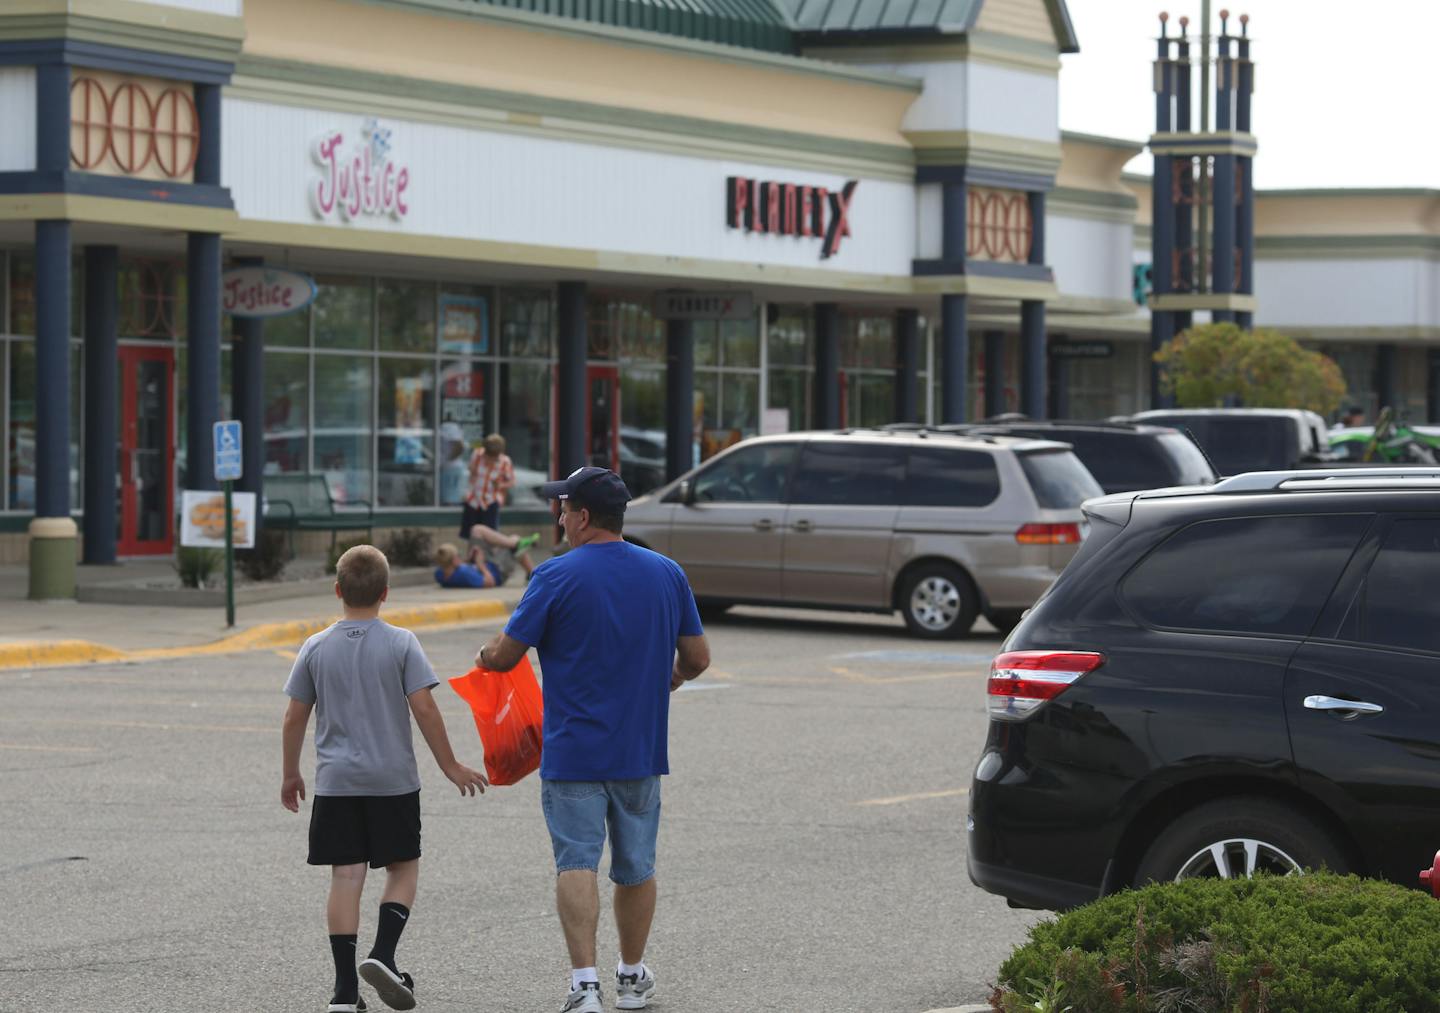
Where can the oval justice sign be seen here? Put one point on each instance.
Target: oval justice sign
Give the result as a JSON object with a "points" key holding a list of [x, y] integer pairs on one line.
{"points": [[265, 291]]}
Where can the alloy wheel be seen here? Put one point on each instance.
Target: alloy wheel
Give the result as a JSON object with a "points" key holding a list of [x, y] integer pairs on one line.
{"points": [[1236, 858], [935, 603]]}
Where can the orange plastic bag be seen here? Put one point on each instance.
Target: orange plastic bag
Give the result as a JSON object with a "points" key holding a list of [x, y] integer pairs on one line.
{"points": [[508, 713]]}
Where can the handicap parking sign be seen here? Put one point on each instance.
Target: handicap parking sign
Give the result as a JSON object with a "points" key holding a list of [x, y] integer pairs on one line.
{"points": [[227, 451]]}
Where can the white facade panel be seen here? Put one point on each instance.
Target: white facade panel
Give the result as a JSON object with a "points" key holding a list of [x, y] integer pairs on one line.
{"points": [[1091, 258], [17, 112], [1343, 293], [942, 105], [232, 8], [1016, 103], [929, 221], [509, 187]]}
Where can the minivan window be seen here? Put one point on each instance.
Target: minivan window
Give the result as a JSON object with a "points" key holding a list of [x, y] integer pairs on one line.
{"points": [[1397, 607], [1059, 480], [755, 474], [940, 477], [1120, 462], [1245, 574], [850, 474]]}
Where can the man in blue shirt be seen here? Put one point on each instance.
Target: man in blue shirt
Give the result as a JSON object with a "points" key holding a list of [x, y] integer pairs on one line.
{"points": [[617, 630]]}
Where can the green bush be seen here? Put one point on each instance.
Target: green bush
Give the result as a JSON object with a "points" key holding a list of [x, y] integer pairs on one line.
{"points": [[196, 565], [408, 547], [1319, 942], [339, 549], [267, 560]]}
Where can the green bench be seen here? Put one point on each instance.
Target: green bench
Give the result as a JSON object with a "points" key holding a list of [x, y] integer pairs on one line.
{"points": [[304, 503]]}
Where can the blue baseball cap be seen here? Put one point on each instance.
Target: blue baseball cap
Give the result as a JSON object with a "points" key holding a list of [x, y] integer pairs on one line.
{"points": [[598, 489]]}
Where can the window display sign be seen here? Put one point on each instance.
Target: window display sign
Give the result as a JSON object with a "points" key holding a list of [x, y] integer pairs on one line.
{"points": [[202, 519], [462, 402], [464, 325], [410, 420]]}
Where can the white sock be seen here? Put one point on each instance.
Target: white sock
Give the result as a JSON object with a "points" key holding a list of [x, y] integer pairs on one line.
{"points": [[580, 975], [636, 969]]}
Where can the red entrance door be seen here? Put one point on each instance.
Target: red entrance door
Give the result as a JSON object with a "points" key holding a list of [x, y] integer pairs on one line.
{"points": [[147, 452], [602, 422]]}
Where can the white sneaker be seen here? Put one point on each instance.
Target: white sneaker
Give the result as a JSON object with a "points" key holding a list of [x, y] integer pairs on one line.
{"points": [[585, 999], [634, 991]]}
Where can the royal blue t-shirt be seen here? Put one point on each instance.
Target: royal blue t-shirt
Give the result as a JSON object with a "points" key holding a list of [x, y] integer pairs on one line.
{"points": [[604, 618], [464, 575]]}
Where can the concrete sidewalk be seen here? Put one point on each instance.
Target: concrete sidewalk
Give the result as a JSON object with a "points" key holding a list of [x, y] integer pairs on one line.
{"points": [[35, 633]]}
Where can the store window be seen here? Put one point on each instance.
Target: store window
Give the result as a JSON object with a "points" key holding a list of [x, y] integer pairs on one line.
{"points": [[464, 320], [22, 294], [342, 424], [788, 344], [407, 316], [405, 465], [524, 392], [152, 298], [287, 412], [525, 316], [290, 331], [464, 422], [22, 404], [344, 311]]}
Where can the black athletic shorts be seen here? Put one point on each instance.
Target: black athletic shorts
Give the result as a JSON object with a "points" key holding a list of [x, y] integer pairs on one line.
{"points": [[471, 516], [354, 829]]}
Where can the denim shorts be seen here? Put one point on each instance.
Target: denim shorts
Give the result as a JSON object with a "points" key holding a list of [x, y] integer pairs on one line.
{"points": [[579, 812]]}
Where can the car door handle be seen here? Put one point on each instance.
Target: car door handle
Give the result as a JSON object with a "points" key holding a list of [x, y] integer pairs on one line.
{"points": [[803, 526], [1332, 703], [765, 524]]}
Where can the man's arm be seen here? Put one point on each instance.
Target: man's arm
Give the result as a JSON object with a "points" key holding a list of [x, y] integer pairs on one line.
{"points": [[292, 737], [501, 653], [692, 656], [432, 726]]}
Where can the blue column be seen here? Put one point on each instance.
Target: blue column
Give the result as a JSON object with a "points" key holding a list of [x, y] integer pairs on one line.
{"points": [[1032, 322], [101, 395], [827, 366], [52, 369], [679, 398], [207, 112], [1162, 250], [994, 373], [52, 117], [1059, 388], [954, 359], [907, 365], [1432, 387], [247, 385], [202, 360], [571, 403]]}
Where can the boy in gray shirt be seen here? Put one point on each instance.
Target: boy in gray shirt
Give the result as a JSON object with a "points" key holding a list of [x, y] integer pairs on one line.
{"points": [[364, 678]]}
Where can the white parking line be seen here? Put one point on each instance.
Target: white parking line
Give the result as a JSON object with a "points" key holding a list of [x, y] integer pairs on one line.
{"points": [[917, 797]]}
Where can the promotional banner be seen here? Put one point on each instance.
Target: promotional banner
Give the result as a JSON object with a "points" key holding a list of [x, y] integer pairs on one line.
{"points": [[202, 519]]}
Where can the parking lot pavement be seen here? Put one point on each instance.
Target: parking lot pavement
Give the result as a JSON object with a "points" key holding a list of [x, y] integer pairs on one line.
{"points": [[812, 853]]}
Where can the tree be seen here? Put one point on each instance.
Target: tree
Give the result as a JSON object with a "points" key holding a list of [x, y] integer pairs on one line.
{"points": [[1212, 364]]}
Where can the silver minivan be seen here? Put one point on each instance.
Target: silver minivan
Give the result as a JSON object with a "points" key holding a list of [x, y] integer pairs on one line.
{"points": [[942, 527]]}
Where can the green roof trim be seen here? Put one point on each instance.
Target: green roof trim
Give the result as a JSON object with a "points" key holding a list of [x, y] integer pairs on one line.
{"points": [[852, 20], [751, 24]]}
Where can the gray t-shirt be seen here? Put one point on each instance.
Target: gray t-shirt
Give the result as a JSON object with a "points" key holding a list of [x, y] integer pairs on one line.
{"points": [[359, 676]]}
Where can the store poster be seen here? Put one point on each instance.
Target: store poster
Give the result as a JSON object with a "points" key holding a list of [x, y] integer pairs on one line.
{"points": [[202, 519], [464, 325], [410, 420], [462, 427]]}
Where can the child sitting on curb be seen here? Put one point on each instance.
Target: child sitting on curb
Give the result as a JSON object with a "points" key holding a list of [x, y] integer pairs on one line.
{"points": [[493, 557]]}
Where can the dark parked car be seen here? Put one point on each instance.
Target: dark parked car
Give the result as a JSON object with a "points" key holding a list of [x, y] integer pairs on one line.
{"points": [[1238, 440], [1123, 456], [1222, 680]]}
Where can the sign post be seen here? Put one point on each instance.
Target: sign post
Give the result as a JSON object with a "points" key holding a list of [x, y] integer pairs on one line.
{"points": [[228, 468]]}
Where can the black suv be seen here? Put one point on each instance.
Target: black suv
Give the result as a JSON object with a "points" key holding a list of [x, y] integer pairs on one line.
{"points": [[1225, 679], [1123, 456]]}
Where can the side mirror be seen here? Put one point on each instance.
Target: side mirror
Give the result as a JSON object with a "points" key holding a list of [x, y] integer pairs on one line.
{"points": [[687, 493]]}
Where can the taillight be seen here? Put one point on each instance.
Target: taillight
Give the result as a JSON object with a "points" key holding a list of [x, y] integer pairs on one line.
{"points": [[1020, 681], [1049, 534]]}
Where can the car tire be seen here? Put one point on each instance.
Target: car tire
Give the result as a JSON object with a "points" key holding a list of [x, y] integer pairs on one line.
{"points": [[1005, 620], [938, 601], [711, 611], [1280, 837]]}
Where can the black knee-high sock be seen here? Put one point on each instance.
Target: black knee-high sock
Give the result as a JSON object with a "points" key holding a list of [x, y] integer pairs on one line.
{"points": [[387, 933], [347, 983]]}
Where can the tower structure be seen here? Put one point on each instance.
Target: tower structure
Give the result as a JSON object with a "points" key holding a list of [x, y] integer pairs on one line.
{"points": [[1202, 192]]}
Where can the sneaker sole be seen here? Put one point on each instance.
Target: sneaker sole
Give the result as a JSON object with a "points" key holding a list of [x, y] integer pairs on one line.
{"points": [[634, 1001], [390, 989]]}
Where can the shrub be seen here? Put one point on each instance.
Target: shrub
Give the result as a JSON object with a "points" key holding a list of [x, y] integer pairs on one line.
{"points": [[408, 547], [339, 549], [196, 565], [1266, 945], [267, 560]]}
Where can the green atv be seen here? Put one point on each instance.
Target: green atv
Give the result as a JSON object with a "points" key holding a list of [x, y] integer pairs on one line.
{"points": [[1387, 442]]}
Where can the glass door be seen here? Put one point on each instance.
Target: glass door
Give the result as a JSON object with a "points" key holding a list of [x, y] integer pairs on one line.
{"points": [[602, 422], [147, 452]]}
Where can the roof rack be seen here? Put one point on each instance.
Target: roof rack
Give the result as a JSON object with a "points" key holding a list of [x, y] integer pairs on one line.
{"points": [[1322, 479]]}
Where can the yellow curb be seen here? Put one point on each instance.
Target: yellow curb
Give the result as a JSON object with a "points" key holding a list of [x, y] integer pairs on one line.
{"points": [[41, 654]]}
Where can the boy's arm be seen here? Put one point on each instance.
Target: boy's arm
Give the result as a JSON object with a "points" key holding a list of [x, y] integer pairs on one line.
{"points": [[292, 735], [432, 726]]}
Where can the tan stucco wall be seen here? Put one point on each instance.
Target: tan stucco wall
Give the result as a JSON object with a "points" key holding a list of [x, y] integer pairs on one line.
{"points": [[483, 53], [1088, 163], [1023, 19], [1356, 214]]}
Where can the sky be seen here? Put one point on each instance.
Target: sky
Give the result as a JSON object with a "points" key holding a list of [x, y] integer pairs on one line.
{"points": [[1346, 94]]}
